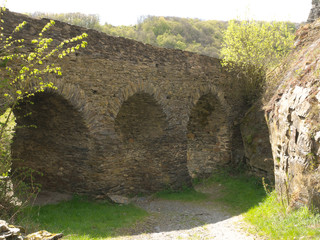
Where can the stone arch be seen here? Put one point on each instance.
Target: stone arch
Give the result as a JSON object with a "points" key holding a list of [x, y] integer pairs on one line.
{"points": [[59, 144], [141, 125], [208, 133], [209, 89], [78, 99], [140, 118], [133, 88]]}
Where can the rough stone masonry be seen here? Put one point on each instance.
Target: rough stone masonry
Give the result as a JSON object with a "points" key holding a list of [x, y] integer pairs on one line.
{"points": [[127, 117]]}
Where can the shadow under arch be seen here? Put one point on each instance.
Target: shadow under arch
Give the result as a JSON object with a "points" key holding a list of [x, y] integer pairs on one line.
{"points": [[208, 133], [150, 155], [58, 146], [141, 125], [133, 88]]}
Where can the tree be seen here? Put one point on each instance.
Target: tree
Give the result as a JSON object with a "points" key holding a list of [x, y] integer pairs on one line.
{"points": [[79, 19], [194, 35], [23, 66], [252, 48]]}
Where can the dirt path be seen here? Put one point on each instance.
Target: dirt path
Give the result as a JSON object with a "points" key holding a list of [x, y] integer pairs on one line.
{"points": [[186, 220]]}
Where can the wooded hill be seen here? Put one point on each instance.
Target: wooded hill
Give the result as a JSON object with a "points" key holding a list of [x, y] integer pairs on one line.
{"points": [[195, 35]]}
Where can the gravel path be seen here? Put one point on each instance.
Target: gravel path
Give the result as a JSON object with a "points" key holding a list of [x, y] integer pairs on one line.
{"points": [[177, 219], [186, 220]]}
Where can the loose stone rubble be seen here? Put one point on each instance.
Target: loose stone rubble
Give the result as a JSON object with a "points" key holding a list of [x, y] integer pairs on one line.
{"points": [[10, 232]]}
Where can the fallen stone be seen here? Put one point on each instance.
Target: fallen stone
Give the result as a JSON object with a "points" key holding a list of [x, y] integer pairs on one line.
{"points": [[9, 232], [119, 199], [43, 235], [3, 226]]}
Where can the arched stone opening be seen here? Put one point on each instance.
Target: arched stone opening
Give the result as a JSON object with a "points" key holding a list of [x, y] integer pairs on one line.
{"points": [[51, 137], [208, 137], [141, 125]]}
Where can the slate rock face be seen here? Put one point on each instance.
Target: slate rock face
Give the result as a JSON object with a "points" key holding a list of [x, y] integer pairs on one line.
{"points": [[255, 137], [315, 11], [293, 118]]}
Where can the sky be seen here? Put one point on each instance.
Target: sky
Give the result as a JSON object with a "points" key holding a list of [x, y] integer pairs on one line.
{"points": [[127, 12]]}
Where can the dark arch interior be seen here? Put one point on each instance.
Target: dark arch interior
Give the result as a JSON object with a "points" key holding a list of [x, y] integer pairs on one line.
{"points": [[140, 119], [141, 125], [58, 144], [208, 137]]}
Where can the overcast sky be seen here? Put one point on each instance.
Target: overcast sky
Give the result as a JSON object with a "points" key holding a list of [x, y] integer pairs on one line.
{"points": [[126, 12]]}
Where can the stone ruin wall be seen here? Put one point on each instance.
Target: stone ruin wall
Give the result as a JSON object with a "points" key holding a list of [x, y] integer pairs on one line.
{"points": [[127, 117]]}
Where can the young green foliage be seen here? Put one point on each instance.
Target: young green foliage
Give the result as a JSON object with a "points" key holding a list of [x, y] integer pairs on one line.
{"points": [[252, 48]]}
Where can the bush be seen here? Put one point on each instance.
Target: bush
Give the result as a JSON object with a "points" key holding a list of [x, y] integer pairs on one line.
{"points": [[251, 49]]}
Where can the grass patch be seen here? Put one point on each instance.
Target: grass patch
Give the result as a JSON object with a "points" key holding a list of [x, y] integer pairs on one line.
{"points": [[270, 218], [240, 192], [82, 219], [186, 194]]}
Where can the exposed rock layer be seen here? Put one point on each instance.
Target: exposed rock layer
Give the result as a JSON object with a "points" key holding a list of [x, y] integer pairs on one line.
{"points": [[255, 137], [315, 11], [293, 120]]}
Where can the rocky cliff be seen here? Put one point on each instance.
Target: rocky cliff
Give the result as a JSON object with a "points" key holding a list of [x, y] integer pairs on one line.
{"points": [[293, 120], [315, 11], [255, 138]]}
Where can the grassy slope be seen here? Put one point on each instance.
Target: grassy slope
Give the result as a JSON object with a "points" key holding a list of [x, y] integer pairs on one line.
{"points": [[264, 212], [239, 192], [272, 219]]}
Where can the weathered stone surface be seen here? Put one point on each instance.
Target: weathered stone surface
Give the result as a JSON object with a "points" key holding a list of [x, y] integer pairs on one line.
{"points": [[3, 226], [9, 232], [119, 199], [127, 117], [293, 120], [208, 137], [255, 137], [43, 235], [315, 11]]}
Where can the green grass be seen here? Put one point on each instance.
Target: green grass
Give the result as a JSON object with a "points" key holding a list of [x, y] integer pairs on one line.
{"points": [[82, 219], [240, 192], [186, 194], [270, 218]]}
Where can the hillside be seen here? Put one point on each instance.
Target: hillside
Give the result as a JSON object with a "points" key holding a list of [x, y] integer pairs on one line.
{"points": [[188, 34], [194, 35]]}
